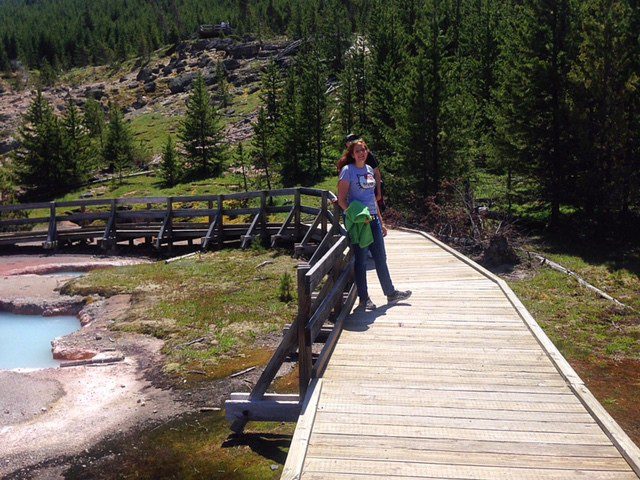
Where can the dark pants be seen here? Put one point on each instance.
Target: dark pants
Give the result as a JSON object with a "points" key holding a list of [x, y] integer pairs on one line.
{"points": [[379, 257]]}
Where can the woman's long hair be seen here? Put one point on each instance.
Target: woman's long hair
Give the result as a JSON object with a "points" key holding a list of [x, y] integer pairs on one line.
{"points": [[348, 157]]}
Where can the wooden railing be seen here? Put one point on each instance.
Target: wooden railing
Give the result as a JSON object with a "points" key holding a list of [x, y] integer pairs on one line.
{"points": [[162, 221], [326, 293]]}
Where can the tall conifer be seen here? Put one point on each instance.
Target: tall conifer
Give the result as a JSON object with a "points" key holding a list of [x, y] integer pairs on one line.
{"points": [[201, 134]]}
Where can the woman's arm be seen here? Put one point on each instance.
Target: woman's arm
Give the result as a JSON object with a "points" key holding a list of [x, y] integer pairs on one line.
{"points": [[343, 193], [384, 229]]}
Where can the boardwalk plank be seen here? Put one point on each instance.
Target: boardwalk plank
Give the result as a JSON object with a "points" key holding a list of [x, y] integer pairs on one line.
{"points": [[453, 383], [476, 472]]}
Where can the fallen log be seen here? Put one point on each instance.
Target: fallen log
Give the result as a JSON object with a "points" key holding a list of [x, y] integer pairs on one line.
{"points": [[556, 266]]}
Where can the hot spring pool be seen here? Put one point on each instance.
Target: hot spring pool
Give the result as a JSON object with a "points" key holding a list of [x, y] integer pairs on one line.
{"points": [[25, 340]]}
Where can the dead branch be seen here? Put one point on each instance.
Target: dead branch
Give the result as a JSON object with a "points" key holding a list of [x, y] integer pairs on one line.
{"points": [[556, 266]]}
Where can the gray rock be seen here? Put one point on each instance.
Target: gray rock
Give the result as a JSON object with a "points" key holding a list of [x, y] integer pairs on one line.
{"points": [[205, 62], [246, 50], [182, 83], [150, 87], [8, 144], [221, 44], [230, 64], [144, 75], [95, 93], [140, 102], [239, 80]]}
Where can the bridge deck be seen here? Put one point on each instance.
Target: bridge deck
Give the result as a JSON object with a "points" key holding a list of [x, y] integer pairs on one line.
{"points": [[457, 382]]}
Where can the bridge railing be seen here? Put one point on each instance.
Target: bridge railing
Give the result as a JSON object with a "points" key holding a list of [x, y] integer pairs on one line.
{"points": [[213, 219], [326, 294]]}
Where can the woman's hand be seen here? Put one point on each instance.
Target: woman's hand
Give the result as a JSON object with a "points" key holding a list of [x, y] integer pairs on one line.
{"points": [[384, 231]]}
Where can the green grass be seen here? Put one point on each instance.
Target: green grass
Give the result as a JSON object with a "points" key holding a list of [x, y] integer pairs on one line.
{"points": [[581, 324], [221, 297], [152, 129], [245, 103], [191, 448]]}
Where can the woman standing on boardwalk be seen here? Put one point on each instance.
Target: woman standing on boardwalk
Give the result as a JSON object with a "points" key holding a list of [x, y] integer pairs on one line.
{"points": [[356, 189]]}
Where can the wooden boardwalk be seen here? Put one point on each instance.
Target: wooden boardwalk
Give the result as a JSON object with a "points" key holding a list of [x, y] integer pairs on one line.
{"points": [[457, 382]]}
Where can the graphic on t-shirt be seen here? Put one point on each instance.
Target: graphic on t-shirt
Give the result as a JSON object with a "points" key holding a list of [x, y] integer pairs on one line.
{"points": [[366, 181]]}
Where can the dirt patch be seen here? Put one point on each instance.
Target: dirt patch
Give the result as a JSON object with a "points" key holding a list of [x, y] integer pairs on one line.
{"points": [[617, 386]]}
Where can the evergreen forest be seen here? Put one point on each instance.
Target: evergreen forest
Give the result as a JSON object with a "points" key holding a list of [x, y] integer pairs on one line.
{"points": [[541, 94]]}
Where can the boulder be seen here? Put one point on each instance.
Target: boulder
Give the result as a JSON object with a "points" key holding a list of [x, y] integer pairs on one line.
{"points": [[150, 87], [230, 64], [144, 75], [182, 83], [239, 80], [140, 102], [95, 93], [244, 50], [8, 144], [220, 44], [205, 62]]}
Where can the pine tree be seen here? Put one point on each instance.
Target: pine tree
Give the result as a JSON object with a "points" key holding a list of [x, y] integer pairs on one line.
{"points": [[77, 147], [118, 147], [169, 168], [4, 59], [533, 100], [290, 134], [201, 134], [380, 76], [346, 94], [39, 162], [313, 105], [94, 119], [605, 76]]}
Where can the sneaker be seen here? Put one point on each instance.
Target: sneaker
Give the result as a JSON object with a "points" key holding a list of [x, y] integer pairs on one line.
{"points": [[367, 305], [398, 295]]}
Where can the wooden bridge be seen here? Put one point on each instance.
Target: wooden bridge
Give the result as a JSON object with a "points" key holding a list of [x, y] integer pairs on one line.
{"points": [[206, 221], [457, 382]]}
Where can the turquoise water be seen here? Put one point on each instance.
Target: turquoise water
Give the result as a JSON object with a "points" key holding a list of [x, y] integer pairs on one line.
{"points": [[66, 274], [25, 340]]}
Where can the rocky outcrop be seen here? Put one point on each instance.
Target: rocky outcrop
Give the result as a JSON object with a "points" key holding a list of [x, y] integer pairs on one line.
{"points": [[246, 50], [182, 83]]}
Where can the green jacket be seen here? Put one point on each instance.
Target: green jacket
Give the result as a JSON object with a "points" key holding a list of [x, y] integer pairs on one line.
{"points": [[357, 218]]}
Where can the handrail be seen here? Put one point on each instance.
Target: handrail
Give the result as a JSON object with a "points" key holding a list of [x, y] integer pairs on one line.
{"points": [[326, 293], [16, 220]]}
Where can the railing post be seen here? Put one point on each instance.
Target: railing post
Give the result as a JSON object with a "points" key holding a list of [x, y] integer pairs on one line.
{"points": [[337, 213], [220, 222], [263, 217], [304, 344], [297, 222], [323, 222], [52, 233], [210, 207], [170, 221]]}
